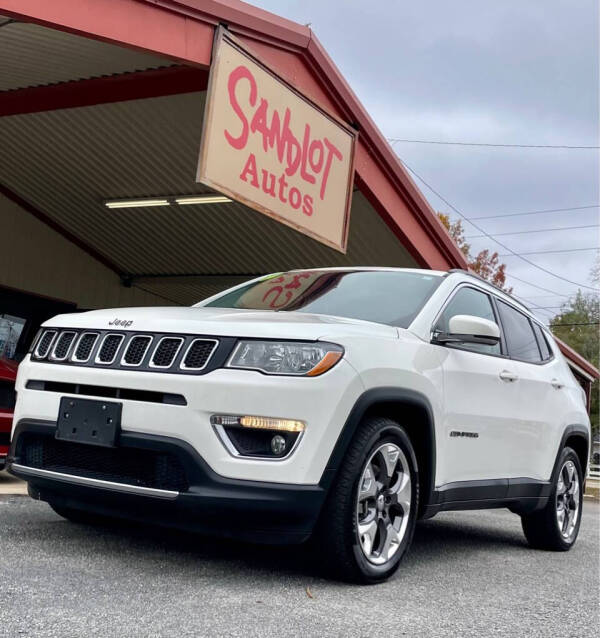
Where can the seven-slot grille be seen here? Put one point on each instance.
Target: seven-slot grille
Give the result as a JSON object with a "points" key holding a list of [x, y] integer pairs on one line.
{"points": [[198, 354], [165, 352], [134, 354], [86, 343], [108, 349], [186, 354], [44, 343], [62, 345]]}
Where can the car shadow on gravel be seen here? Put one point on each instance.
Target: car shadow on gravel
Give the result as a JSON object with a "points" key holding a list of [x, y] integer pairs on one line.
{"points": [[463, 536], [453, 537]]}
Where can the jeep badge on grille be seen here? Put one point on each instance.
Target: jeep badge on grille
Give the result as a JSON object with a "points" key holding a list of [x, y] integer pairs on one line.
{"points": [[124, 323]]}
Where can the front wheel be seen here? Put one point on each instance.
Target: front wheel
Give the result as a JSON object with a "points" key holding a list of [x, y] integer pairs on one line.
{"points": [[368, 521], [555, 527]]}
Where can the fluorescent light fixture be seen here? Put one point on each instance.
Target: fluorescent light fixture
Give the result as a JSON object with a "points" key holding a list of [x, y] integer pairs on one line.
{"points": [[202, 199], [167, 200], [136, 203]]}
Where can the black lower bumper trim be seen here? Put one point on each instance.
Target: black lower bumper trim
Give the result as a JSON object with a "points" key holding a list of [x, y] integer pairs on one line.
{"points": [[250, 510]]}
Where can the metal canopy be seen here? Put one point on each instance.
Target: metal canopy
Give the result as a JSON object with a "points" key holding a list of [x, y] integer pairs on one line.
{"points": [[65, 162], [58, 162], [33, 55]]}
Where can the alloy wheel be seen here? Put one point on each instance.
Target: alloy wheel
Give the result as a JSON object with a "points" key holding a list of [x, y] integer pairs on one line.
{"points": [[383, 503], [567, 500]]}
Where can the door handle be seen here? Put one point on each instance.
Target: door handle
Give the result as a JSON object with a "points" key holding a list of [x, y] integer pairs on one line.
{"points": [[506, 375], [557, 384]]}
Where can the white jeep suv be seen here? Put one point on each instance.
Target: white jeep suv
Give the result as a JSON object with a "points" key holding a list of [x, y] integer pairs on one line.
{"points": [[342, 404]]}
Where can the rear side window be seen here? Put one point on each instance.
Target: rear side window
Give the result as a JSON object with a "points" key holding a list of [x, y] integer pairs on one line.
{"points": [[543, 342], [519, 335], [468, 301]]}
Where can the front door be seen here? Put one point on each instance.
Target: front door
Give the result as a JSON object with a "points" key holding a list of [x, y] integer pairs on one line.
{"points": [[480, 400]]}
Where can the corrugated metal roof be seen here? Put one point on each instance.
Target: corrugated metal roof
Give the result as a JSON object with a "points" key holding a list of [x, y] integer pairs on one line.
{"points": [[185, 290], [67, 162], [33, 55]]}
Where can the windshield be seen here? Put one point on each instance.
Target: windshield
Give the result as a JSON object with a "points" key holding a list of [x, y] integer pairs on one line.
{"points": [[391, 297]]}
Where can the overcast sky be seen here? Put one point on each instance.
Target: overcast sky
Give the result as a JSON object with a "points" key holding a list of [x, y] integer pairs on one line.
{"points": [[509, 72]]}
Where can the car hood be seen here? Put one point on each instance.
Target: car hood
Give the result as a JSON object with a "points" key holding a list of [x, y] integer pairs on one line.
{"points": [[221, 322]]}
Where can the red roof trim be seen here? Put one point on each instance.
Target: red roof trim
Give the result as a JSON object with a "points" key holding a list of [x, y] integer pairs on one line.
{"points": [[381, 150], [179, 34], [183, 29], [149, 28], [248, 20], [244, 19], [577, 359]]}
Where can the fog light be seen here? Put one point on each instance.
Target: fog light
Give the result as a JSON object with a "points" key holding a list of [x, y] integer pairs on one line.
{"points": [[259, 422], [278, 444], [258, 437]]}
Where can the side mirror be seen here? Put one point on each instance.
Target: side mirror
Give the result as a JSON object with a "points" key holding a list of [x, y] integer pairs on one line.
{"points": [[470, 329]]}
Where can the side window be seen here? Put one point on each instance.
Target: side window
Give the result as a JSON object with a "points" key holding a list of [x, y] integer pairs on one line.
{"points": [[468, 301], [519, 334], [542, 342]]}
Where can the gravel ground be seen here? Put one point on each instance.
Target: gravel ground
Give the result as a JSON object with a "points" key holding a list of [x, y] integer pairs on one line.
{"points": [[468, 574]]}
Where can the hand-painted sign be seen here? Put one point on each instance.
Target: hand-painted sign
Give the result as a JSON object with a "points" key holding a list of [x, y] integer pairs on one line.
{"points": [[269, 147]]}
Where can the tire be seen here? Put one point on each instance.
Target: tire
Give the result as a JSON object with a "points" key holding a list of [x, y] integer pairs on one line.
{"points": [[366, 526], [547, 528], [81, 517]]}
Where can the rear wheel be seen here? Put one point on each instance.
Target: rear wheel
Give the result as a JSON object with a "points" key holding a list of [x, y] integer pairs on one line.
{"points": [[368, 521], [556, 526]]}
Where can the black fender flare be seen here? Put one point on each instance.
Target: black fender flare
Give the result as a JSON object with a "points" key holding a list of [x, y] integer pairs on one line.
{"points": [[370, 398], [581, 431]]}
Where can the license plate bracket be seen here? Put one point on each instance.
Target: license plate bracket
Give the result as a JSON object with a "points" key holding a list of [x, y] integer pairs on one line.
{"points": [[89, 422]]}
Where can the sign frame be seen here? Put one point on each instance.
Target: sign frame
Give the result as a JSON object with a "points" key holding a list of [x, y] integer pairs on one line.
{"points": [[223, 35]]}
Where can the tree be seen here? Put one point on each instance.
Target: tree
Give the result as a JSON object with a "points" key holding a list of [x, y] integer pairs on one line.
{"points": [[485, 264], [584, 310]]}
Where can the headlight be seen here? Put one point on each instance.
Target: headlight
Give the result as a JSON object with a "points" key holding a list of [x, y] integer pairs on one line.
{"points": [[286, 357]]}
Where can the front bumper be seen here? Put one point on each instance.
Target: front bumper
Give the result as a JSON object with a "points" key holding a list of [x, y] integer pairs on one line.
{"points": [[323, 403], [248, 510]]}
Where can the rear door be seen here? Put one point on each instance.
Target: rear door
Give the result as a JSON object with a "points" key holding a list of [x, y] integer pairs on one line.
{"points": [[480, 399], [540, 386]]}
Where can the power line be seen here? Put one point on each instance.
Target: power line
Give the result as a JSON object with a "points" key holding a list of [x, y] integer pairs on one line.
{"points": [[535, 212], [533, 297], [481, 230], [558, 294], [549, 252], [554, 146], [549, 316], [546, 313], [564, 325], [540, 230]]}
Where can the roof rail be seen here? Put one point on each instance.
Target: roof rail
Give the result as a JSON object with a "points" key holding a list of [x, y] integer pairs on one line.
{"points": [[489, 283]]}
